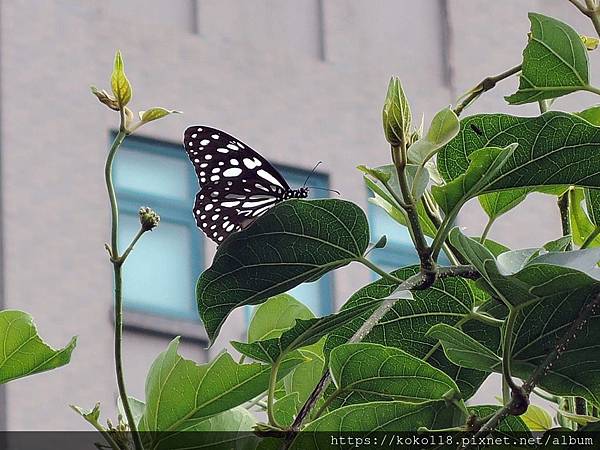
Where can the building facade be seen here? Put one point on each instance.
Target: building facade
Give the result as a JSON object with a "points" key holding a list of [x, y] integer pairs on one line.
{"points": [[301, 81]]}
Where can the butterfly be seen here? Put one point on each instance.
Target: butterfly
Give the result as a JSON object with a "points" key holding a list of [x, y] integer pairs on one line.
{"points": [[237, 184]]}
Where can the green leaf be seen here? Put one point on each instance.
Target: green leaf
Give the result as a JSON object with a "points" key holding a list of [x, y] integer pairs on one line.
{"points": [[549, 291], [304, 332], [558, 245], [92, 416], [497, 203], [230, 429], [592, 203], [377, 417], [443, 128], [23, 351], [285, 409], [581, 225], [485, 165], [581, 419], [510, 424], [296, 241], [275, 316], [119, 83], [537, 419], [372, 372], [305, 376], [405, 326], [396, 114], [592, 115], [380, 175], [156, 113], [462, 349], [556, 148], [555, 62], [180, 392], [137, 408]]}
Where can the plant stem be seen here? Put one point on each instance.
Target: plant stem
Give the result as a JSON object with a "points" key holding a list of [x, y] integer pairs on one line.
{"points": [[507, 347], [130, 246], [580, 7], [546, 396], [563, 206], [593, 13], [589, 87], [485, 85], [378, 270], [487, 319], [326, 403], [591, 238], [486, 230], [271, 394], [117, 262]]}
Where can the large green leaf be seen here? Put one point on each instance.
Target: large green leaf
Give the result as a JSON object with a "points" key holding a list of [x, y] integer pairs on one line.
{"points": [[180, 393], [275, 316], [294, 242], [405, 326], [377, 417], [23, 351], [230, 429], [303, 333], [556, 148], [462, 349], [549, 292], [371, 372], [483, 169], [555, 62]]}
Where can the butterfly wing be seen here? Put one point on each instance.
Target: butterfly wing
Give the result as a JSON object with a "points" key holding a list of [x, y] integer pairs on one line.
{"points": [[238, 184], [217, 155]]}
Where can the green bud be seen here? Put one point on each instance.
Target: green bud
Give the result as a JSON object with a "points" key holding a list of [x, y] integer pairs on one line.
{"points": [[148, 218], [105, 98], [396, 114], [590, 43], [119, 83]]}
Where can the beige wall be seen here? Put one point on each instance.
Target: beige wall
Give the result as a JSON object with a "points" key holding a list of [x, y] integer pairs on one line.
{"points": [[301, 80]]}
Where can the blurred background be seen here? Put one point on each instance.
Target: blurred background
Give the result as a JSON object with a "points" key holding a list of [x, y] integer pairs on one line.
{"points": [[298, 80]]}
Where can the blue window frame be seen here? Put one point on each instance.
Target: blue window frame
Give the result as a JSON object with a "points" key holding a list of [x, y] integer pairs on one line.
{"points": [[160, 275]]}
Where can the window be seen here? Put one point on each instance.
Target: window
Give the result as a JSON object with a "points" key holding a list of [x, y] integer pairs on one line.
{"points": [[160, 274]]}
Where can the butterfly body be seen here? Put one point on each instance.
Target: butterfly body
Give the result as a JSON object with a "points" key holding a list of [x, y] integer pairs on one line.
{"points": [[237, 184]]}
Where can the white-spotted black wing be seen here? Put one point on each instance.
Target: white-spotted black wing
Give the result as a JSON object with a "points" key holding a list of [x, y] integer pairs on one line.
{"points": [[237, 184]]}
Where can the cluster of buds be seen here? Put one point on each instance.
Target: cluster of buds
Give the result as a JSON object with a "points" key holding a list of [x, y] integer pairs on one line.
{"points": [[148, 218]]}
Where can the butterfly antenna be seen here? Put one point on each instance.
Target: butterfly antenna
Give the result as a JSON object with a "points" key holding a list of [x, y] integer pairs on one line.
{"points": [[324, 189], [311, 173]]}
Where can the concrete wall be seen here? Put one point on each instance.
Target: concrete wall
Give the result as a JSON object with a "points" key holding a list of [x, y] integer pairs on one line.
{"points": [[300, 80]]}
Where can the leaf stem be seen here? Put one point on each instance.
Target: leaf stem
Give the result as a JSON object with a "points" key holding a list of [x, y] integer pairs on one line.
{"points": [[131, 244], [117, 262], [507, 337], [589, 87], [484, 85], [563, 207], [581, 7], [486, 230], [103, 431], [378, 270], [588, 241], [271, 394]]}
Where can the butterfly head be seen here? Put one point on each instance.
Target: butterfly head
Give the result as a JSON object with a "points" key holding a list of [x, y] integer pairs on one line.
{"points": [[296, 193]]}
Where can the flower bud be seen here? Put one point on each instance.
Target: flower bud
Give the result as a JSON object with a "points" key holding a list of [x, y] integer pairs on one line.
{"points": [[396, 115], [148, 218], [105, 98]]}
